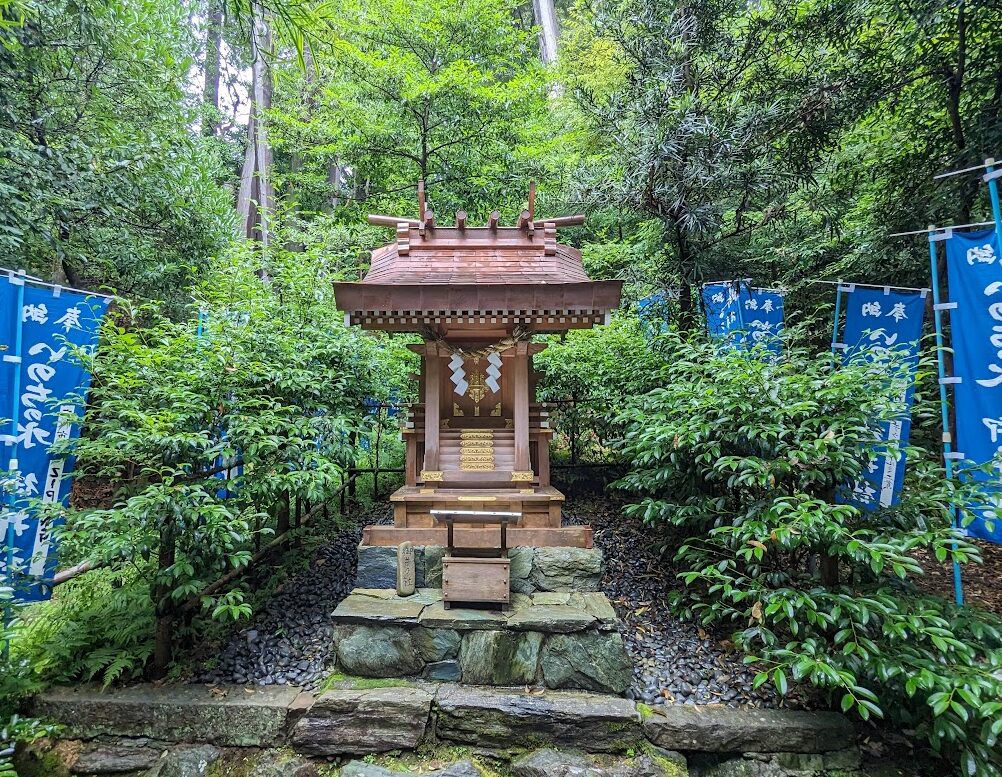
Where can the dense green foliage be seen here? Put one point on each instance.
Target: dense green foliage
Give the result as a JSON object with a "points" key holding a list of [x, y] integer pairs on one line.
{"points": [[746, 457], [101, 180], [265, 388], [781, 141]]}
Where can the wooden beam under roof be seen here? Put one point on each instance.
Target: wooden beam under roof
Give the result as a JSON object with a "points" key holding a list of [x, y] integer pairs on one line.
{"points": [[562, 221], [391, 221]]}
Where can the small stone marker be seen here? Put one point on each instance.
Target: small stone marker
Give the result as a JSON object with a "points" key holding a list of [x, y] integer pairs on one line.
{"points": [[405, 569]]}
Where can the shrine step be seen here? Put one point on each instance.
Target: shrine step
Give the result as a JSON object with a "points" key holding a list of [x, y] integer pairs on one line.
{"points": [[539, 506], [557, 639], [566, 536]]}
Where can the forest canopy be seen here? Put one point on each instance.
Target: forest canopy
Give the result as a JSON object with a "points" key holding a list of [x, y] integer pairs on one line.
{"points": [[211, 163]]}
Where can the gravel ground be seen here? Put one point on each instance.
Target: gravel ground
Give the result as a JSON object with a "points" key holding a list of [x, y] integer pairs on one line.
{"points": [[674, 662], [289, 640]]}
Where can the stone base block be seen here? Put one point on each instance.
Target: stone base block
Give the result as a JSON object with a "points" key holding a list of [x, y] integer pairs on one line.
{"points": [[532, 569], [229, 716], [556, 639], [724, 730], [364, 721]]}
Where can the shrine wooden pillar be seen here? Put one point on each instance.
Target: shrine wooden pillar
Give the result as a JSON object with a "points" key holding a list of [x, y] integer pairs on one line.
{"points": [[520, 408], [431, 472]]}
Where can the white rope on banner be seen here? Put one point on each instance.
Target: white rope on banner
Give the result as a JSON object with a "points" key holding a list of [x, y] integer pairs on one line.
{"points": [[747, 282], [17, 276], [851, 287], [940, 229]]}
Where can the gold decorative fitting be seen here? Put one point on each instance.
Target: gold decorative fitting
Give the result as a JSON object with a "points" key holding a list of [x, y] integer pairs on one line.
{"points": [[476, 434], [497, 410], [444, 424], [457, 411], [432, 475], [509, 423], [523, 477], [477, 386]]}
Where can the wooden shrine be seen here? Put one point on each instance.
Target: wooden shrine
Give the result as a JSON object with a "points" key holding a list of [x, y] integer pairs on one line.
{"points": [[477, 439]]}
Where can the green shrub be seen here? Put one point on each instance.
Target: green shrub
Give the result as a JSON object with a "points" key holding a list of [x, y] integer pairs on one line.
{"points": [[17, 680], [597, 369], [744, 455], [270, 381]]}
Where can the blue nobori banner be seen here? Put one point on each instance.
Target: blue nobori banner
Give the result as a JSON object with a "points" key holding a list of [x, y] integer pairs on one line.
{"points": [[878, 321], [654, 312], [744, 315], [41, 327], [720, 301], [974, 271]]}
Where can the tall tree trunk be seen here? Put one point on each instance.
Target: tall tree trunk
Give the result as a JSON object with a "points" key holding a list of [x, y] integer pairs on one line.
{"points": [[246, 211], [163, 638], [335, 180], [262, 83], [546, 20], [210, 91], [955, 80], [686, 317]]}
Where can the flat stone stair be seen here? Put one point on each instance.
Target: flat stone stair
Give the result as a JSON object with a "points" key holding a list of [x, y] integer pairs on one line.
{"points": [[405, 716], [552, 639]]}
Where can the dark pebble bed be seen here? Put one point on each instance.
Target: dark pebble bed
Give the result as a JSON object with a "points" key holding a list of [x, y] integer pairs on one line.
{"points": [[674, 661], [290, 638]]}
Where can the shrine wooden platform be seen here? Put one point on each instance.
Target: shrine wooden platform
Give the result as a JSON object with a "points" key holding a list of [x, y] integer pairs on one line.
{"points": [[539, 526], [566, 536], [540, 505]]}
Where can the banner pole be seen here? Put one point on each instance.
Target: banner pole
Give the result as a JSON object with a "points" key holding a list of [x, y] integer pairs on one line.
{"points": [[12, 446], [993, 194], [944, 409], [838, 312]]}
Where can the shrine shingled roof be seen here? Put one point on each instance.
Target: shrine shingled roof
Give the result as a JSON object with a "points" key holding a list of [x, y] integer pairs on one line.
{"points": [[434, 275], [476, 255]]}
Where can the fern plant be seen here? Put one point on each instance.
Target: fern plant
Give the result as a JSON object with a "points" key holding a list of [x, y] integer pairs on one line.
{"points": [[95, 628]]}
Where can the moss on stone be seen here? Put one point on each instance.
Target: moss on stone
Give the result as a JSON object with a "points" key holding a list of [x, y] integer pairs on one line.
{"points": [[46, 759], [350, 682], [645, 710], [435, 757], [671, 767]]}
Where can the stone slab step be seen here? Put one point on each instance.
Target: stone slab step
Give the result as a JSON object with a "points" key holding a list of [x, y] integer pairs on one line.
{"points": [[718, 729], [145, 719], [506, 718], [547, 612], [231, 716], [357, 722]]}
